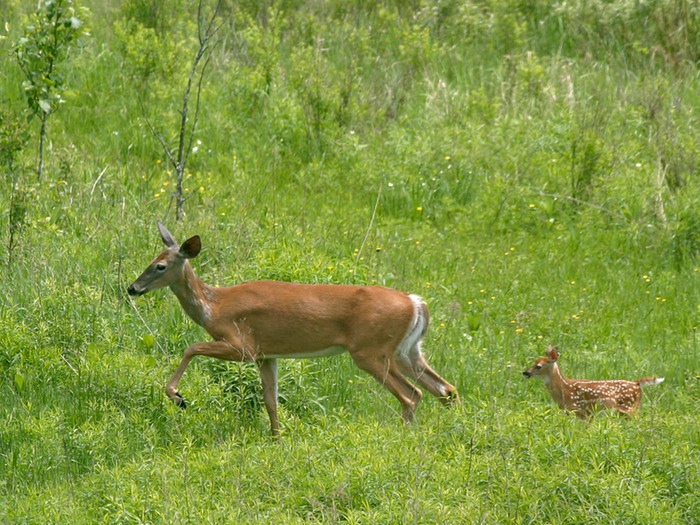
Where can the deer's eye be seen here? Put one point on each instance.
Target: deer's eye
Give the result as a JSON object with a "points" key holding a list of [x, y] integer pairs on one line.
{"points": [[161, 267], [537, 367]]}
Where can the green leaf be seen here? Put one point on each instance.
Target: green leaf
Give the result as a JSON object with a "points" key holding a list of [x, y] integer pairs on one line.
{"points": [[45, 105], [19, 380]]}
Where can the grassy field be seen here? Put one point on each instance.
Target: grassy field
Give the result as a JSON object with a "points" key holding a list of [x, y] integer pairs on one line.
{"points": [[531, 169]]}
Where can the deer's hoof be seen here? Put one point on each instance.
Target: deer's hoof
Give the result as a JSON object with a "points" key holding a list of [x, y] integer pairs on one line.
{"points": [[179, 401]]}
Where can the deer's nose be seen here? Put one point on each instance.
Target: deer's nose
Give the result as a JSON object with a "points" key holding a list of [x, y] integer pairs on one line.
{"points": [[132, 290]]}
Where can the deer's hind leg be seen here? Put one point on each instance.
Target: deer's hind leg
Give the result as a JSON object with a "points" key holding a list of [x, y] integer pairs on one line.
{"points": [[382, 366], [413, 364]]}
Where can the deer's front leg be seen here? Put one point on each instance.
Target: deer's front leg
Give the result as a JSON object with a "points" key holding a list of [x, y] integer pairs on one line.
{"points": [[268, 376], [218, 349]]}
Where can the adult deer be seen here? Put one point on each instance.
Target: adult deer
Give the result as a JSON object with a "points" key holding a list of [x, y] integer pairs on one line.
{"points": [[262, 321], [582, 396]]}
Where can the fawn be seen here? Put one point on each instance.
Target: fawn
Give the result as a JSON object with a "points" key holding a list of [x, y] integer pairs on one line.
{"points": [[581, 396]]}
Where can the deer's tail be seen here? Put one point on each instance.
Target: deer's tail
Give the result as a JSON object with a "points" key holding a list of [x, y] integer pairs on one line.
{"points": [[645, 381]]}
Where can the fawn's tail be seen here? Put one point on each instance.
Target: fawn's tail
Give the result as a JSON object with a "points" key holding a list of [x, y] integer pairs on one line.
{"points": [[645, 381]]}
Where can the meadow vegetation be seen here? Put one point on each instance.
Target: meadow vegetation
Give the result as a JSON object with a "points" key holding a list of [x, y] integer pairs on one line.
{"points": [[531, 169]]}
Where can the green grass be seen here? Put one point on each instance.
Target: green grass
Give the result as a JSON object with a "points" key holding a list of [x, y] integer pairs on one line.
{"points": [[501, 160]]}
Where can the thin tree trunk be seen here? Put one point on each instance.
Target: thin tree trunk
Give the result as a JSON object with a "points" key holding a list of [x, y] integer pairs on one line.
{"points": [[11, 243], [42, 140], [180, 195], [659, 184]]}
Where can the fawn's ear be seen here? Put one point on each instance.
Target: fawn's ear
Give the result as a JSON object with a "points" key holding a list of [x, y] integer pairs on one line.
{"points": [[552, 353]]}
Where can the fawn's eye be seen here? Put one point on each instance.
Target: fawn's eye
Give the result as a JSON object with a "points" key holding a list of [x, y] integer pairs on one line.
{"points": [[537, 367], [161, 267]]}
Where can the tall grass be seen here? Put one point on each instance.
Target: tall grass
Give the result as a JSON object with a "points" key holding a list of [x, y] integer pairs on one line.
{"points": [[530, 169]]}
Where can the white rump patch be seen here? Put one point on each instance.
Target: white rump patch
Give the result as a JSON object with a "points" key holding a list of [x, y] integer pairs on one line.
{"points": [[410, 344]]}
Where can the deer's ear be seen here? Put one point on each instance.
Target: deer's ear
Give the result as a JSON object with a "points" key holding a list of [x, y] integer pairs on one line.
{"points": [[167, 237], [191, 247], [552, 353]]}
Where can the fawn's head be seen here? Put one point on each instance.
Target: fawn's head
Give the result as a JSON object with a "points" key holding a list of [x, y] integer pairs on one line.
{"points": [[543, 366], [163, 270]]}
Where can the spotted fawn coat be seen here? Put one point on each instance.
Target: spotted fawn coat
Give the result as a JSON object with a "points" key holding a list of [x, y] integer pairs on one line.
{"points": [[582, 396]]}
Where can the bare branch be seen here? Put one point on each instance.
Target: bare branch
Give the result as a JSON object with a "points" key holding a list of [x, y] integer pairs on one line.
{"points": [[204, 47], [206, 29], [209, 32], [157, 135], [183, 150], [196, 108]]}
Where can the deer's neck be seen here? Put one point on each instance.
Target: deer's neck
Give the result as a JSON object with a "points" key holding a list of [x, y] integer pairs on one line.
{"points": [[558, 385], [194, 295]]}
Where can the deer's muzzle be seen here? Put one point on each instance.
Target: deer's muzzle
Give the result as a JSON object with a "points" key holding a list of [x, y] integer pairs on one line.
{"points": [[132, 290]]}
